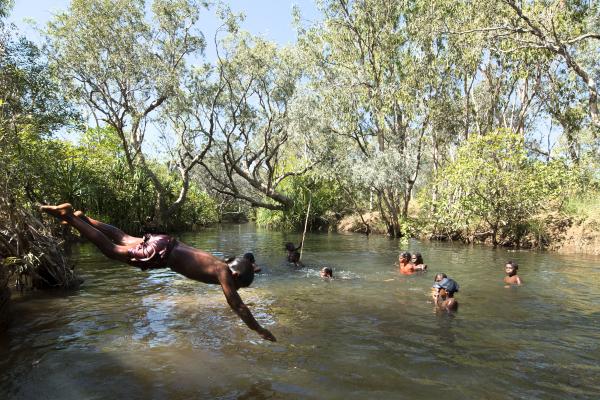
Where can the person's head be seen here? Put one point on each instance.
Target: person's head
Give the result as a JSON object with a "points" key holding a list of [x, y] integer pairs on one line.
{"points": [[289, 246], [417, 259], [250, 257], [326, 272], [450, 286], [511, 268], [242, 271], [404, 257]]}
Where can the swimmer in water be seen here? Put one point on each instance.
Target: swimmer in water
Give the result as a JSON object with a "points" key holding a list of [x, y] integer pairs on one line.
{"points": [[416, 261], [443, 293], [405, 265], [293, 255], [511, 277], [327, 273]]}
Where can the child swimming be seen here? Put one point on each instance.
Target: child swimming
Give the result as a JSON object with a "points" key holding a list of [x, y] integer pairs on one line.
{"points": [[327, 272], [406, 267], [443, 292], [293, 254], [417, 262], [511, 277]]}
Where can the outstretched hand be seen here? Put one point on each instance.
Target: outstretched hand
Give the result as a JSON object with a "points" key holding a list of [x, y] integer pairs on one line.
{"points": [[267, 335]]}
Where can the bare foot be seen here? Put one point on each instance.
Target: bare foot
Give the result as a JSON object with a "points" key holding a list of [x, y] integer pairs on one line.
{"points": [[81, 215], [61, 211], [77, 213]]}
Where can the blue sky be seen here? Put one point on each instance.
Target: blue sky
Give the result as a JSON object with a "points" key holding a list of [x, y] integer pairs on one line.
{"points": [[269, 18]]}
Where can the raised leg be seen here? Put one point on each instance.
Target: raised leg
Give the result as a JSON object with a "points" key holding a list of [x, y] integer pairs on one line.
{"points": [[102, 241], [114, 233]]}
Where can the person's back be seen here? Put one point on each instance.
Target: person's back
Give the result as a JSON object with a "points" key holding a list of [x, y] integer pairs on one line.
{"points": [[293, 255], [448, 302], [160, 251]]}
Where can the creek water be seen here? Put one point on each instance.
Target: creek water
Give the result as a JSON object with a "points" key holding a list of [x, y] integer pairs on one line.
{"points": [[370, 333]]}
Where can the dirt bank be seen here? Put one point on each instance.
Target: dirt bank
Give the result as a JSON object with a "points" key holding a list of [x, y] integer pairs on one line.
{"points": [[354, 223], [560, 233], [581, 237]]}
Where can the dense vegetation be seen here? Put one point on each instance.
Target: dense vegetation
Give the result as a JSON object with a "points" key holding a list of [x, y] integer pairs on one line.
{"points": [[466, 120]]}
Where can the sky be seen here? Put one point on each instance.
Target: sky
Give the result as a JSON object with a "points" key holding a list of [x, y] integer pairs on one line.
{"points": [[269, 18]]}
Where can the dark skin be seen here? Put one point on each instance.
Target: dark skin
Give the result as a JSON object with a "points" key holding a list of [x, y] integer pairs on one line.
{"points": [[417, 266], [293, 254], [511, 277], [444, 300], [407, 268], [183, 259]]}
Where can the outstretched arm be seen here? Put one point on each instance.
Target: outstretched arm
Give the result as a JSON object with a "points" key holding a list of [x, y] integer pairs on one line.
{"points": [[235, 302]]}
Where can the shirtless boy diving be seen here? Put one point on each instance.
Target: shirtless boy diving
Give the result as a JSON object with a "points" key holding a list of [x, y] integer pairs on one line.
{"points": [[160, 251]]}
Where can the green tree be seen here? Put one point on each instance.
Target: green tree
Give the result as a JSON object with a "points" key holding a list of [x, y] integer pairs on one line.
{"points": [[493, 184], [123, 65], [371, 85], [31, 108], [258, 144]]}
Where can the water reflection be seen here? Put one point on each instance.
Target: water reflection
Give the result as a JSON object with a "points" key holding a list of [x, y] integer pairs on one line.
{"points": [[368, 333]]}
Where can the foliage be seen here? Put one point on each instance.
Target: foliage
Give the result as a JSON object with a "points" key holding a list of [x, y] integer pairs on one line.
{"points": [[123, 64], [30, 107], [325, 197], [488, 109], [492, 183]]}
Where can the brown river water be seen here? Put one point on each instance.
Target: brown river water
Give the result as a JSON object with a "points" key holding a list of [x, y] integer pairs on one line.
{"points": [[370, 333]]}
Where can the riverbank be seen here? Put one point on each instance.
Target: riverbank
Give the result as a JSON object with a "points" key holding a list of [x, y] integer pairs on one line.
{"points": [[4, 297], [556, 232]]}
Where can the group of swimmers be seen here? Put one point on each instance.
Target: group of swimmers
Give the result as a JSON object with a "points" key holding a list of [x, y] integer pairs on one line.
{"points": [[160, 251], [443, 288]]}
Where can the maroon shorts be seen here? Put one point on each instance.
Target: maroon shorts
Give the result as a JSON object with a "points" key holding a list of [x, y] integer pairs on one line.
{"points": [[153, 252]]}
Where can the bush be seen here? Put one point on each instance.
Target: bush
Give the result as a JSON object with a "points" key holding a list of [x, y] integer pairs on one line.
{"points": [[493, 185]]}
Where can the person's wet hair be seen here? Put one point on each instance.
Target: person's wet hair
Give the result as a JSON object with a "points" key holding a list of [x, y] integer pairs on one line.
{"points": [[439, 277], [405, 255], [513, 264], [249, 257], [289, 246], [327, 271], [419, 258], [245, 269], [441, 281]]}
